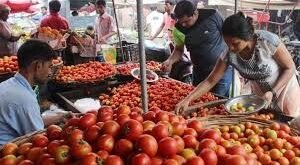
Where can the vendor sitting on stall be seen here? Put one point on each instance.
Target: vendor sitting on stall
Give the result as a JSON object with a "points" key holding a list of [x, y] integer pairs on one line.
{"points": [[8, 42], [105, 26], [19, 109], [259, 56], [54, 20]]}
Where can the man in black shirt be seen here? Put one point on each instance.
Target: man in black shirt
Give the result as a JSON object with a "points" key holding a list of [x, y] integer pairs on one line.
{"points": [[204, 41]]}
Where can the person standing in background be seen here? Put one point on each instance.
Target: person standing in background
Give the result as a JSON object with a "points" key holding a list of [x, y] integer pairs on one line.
{"points": [[104, 26], [54, 20], [154, 21], [8, 42], [168, 22], [40, 15]]}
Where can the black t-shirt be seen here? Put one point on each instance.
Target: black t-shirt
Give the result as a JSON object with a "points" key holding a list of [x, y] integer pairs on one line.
{"points": [[204, 40]]}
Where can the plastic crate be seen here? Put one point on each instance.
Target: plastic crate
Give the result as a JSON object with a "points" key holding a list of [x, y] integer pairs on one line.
{"points": [[130, 52]]}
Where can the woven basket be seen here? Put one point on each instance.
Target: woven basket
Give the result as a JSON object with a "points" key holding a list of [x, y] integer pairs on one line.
{"points": [[220, 120], [26, 138]]}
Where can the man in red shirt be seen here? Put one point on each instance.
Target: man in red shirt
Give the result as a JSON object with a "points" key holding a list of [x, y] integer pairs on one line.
{"points": [[54, 20]]}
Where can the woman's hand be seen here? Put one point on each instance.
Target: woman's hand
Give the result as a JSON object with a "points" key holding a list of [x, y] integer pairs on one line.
{"points": [[182, 106], [268, 96]]}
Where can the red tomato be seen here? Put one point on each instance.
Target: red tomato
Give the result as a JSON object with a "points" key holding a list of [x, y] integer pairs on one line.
{"points": [[179, 159], [52, 146], [136, 116], [154, 109], [180, 143], [102, 154], [8, 160], [123, 147], [210, 134], [111, 127], [42, 158], [87, 120], [207, 143], [167, 147], [236, 150], [190, 141], [141, 159], [209, 156], [265, 159], [105, 142], [170, 162], [162, 116], [147, 144], [132, 129], [26, 162], [196, 160], [235, 160], [34, 153], [105, 109], [160, 131], [80, 149], [150, 115], [104, 116], [220, 150], [72, 122], [156, 161], [54, 132], [285, 128], [148, 126], [9, 149], [39, 140], [92, 133], [75, 135], [289, 154], [190, 131], [62, 155], [123, 109], [113, 160], [250, 160], [196, 125], [23, 148], [122, 118], [178, 128], [91, 159]]}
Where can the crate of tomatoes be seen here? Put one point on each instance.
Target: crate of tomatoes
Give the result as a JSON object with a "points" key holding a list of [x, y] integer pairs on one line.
{"points": [[90, 73]]}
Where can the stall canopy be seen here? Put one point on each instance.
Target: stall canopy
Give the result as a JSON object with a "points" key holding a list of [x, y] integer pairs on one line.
{"points": [[260, 4], [22, 5]]}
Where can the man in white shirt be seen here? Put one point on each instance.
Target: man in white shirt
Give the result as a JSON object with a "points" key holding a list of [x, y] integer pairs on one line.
{"points": [[154, 20]]}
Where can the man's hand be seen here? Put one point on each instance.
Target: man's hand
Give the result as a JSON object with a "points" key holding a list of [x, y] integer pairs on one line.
{"points": [[167, 66], [182, 106]]}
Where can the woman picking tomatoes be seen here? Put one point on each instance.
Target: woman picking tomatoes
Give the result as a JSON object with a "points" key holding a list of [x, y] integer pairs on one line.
{"points": [[259, 56]]}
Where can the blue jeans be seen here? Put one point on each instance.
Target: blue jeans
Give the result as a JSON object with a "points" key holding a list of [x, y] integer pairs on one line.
{"points": [[221, 88]]}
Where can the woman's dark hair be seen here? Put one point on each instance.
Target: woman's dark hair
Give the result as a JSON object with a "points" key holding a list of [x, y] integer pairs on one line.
{"points": [[33, 50], [101, 2], [171, 2], [184, 8], [238, 25], [75, 13], [54, 6]]}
